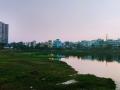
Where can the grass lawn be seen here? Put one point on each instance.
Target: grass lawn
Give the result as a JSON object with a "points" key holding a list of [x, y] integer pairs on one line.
{"points": [[30, 71]]}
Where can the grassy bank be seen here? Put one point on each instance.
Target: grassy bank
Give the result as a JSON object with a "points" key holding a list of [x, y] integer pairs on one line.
{"points": [[34, 71]]}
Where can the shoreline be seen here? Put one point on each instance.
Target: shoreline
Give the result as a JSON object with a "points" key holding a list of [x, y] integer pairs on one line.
{"points": [[37, 71]]}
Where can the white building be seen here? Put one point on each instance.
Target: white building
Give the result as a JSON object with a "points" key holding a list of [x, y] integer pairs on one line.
{"points": [[114, 43], [98, 42], [86, 43], [95, 43]]}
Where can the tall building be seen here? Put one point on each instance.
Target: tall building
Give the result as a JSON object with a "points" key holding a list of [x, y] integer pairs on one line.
{"points": [[3, 33]]}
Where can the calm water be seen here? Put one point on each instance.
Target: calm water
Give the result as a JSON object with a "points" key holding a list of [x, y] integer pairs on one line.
{"points": [[100, 66]]}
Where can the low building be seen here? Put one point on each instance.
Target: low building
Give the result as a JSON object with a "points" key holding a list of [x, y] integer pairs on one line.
{"points": [[97, 43], [86, 43], [92, 43], [57, 43], [113, 43], [68, 44], [49, 43]]}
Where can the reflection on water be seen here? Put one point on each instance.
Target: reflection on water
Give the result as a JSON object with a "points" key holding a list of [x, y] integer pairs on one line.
{"points": [[100, 58], [107, 58], [102, 66]]}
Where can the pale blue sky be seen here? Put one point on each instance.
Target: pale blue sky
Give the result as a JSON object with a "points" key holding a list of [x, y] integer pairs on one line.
{"points": [[72, 20]]}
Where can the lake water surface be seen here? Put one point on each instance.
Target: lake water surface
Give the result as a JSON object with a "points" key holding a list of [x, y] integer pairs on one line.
{"points": [[101, 67]]}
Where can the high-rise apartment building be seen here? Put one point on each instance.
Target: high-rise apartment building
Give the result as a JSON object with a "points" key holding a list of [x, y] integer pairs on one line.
{"points": [[3, 33]]}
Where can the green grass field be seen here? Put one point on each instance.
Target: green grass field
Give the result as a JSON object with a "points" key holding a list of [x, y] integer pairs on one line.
{"points": [[34, 71]]}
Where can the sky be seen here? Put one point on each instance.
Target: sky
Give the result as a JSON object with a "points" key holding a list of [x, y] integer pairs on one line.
{"points": [[68, 20]]}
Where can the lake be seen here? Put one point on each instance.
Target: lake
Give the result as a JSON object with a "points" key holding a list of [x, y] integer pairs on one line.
{"points": [[101, 66]]}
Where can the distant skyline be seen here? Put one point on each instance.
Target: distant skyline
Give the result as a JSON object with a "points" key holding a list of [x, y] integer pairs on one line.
{"points": [[68, 20]]}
